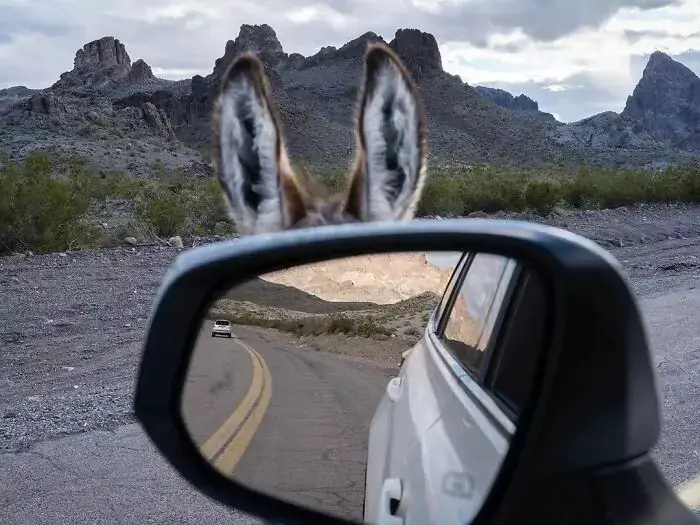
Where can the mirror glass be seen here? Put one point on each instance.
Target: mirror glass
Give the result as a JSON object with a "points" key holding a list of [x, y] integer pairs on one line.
{"points": [[349, 384]]}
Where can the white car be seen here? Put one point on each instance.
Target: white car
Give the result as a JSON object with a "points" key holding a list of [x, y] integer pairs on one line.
{"points": [[443, 426], [221, 327]]}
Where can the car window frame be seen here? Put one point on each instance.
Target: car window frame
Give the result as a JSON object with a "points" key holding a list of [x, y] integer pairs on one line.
{"points": [[445, 315], [501, 349], [472, 385], [447, 294]]}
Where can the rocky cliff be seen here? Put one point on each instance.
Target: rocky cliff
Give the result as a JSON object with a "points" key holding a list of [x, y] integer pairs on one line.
{"points": [[666, 102], [123, 117]]}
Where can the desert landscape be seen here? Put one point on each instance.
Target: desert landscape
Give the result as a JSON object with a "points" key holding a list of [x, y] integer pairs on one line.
{"points": [[106, 176], [337, 306]]}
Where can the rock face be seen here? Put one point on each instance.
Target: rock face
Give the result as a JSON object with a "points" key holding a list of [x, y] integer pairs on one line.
{"points": [[506, 100], [666, 102], [104, 64], [140, 72], [157, 120], [105, 52], [43, 103], [419, 51], [260, 39], [13, 95]]}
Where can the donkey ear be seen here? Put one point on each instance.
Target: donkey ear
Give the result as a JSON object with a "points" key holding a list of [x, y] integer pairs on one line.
{"points": [[391, 136], [248, 150]]}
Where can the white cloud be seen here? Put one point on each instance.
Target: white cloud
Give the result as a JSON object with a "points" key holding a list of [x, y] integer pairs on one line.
{"points": [[605, 55]]}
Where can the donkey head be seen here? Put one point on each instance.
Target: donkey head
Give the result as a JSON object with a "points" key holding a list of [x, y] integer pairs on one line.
{"points": [[263, 192]]}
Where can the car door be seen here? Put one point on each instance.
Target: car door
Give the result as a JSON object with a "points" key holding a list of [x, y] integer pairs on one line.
{"points": [[392, 430], [452, 411]]}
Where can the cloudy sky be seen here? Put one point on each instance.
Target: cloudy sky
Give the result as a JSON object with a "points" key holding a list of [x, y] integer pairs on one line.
{"points": [[576, 58]]}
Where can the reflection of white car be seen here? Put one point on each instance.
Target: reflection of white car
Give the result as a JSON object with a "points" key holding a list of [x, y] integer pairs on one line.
{"points": [[221, 327], [442, 428]]}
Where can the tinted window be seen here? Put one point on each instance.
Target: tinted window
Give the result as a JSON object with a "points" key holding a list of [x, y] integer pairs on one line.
{"points": [[450, 285], [521, 345], [480, 299], [222, 323]]}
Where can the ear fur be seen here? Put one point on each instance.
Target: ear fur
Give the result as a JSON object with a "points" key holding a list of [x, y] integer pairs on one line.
{"points": [[391, 141], [249, 153]]}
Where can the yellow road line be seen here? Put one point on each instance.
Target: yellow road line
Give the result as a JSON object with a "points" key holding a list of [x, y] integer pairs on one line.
{"points": [[216, 442], [689, 493], [233, 452]]}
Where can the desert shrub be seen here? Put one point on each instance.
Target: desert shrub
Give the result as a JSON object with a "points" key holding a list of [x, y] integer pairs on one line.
{"points": [[337, 323], [162, 209], [40, 212], [542, 195]]}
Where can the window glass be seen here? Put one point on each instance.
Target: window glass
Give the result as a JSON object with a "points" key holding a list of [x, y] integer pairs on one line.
{"points": [[450, 286], [471, 320], [520, 348]]}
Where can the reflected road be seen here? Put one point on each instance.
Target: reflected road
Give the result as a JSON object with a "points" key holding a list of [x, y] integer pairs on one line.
{"points": [[299, 419]]}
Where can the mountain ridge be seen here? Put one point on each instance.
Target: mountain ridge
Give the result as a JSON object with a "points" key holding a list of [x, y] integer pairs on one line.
{"points": [[123, 118]]}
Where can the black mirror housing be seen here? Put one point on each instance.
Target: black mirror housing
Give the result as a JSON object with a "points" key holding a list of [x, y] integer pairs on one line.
{"points": [[595, 402]]}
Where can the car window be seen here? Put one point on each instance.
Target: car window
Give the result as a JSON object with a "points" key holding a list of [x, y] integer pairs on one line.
{"points": [[450, 286], [222, 323], [475, 310], [515, 359]]}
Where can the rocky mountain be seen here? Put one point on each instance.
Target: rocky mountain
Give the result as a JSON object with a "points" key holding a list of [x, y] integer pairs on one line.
{"points": [[666, 102], [122, 117], [10, 96], [506, 100], [76, 116]]}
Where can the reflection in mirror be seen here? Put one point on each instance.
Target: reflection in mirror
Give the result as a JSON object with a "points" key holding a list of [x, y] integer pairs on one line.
{"points": [[296, 388]]}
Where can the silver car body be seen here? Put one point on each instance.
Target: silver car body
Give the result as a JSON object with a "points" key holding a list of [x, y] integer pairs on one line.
{"points": [[221, 327], [437, 438]]}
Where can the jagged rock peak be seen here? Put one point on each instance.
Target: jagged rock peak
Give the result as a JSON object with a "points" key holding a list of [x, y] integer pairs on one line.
{"points": [[260, 39], [661, 64], [666, 87], [140, 71], [358, 46], [419, 51], [505, 99], [104, 52]]}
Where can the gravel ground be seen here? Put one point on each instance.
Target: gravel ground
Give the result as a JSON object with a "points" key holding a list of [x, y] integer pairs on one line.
{"points": [[71, 324]]}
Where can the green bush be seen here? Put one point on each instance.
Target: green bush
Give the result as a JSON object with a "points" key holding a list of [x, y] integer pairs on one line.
{"points": [[40, 212], [542, 195]]}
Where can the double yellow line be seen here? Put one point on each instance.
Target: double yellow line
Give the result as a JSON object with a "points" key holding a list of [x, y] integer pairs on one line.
{"points": [[226, 446]]}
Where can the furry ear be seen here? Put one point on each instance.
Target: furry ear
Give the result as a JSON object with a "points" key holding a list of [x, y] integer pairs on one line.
{"points": [[248, 150], [391, 141]]}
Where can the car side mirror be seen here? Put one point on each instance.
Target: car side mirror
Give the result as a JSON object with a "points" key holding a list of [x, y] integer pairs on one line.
{"points": [[255, 419]]}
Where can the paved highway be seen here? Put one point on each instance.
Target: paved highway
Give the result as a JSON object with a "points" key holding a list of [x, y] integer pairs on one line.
{"points": [[283, 420]]}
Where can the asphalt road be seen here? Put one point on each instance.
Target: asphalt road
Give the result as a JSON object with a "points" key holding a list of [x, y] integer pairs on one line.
{"points": [[302, 433], [308, 446]]}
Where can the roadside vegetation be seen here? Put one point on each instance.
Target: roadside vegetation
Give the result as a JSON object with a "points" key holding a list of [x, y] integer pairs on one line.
{"points": [[41, 210], [311, 325], [404, 318]]}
